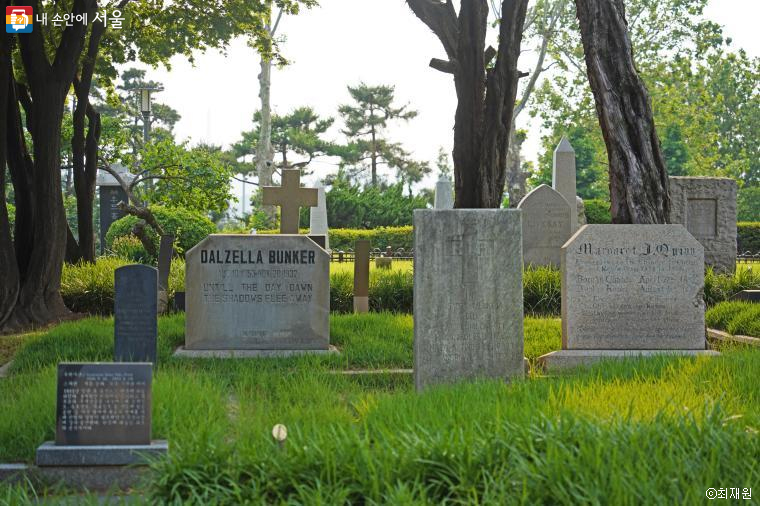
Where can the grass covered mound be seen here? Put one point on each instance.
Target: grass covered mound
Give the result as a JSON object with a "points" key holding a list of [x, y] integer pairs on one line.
{"points": [[735, 317], [637, 431]]}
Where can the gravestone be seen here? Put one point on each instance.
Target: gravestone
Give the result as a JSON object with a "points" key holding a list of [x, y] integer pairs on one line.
{"points": [[630, 290], [318, 218], [361, 276], [563, 177], [747, 296], [290, 197], [111, 193], [103, 416], [468, 295], [546, 226], [444, 195], [135, 314], [706, 206], [258, 295], [165, 253]]}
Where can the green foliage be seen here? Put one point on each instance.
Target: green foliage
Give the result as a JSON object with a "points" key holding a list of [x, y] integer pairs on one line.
{"points": [[11, 216], [195, 179], [542, 294], [381, 237], [350, 206], [735, 317], [721, 287], [188, 227], [748, 237], [130, 248], [597, 212], [748, 204]]}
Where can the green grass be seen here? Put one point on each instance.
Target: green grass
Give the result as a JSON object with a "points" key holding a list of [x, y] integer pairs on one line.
{"points": [[735, 317], [397, 265], [640, 431]]}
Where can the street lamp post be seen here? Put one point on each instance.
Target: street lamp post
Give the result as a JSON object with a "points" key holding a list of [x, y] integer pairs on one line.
{"points": [[146, 108]]}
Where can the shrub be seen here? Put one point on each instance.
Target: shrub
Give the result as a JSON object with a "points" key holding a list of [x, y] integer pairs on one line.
{"points": [[130, 248], [189, 227], [748, 237], [721, 287], [719, 316], [11, 215], [542, 294], [748, 204], [597, 212], [344, 238]]}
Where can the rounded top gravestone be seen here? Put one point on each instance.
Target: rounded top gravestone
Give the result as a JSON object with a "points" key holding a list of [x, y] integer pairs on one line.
{"points": [[546, 226]]}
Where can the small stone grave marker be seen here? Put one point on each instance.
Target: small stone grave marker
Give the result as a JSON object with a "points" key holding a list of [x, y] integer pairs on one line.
{"points": [[546, 226], [361, 276], [135, 314]]}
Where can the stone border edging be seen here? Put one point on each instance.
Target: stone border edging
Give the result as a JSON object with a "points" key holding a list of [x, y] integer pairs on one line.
{"points": [[726, 337], [5, 368]]}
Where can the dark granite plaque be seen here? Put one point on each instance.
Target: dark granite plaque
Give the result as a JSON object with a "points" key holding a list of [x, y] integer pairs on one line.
{"points": [[179, 301], [165, 252], [135, 320], [103, 404], [110, 196]]}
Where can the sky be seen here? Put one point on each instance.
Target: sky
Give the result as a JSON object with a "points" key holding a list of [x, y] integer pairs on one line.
{"points": [[344, 42]]}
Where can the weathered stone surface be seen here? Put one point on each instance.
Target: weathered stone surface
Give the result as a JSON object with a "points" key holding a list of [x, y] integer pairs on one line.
{"points": [[291, 198], [444, 195], [181, 352], [383, 262], [50, 454], [318, 217], [361, 276], [563, 176], [468, 302], [257, 292], [103, 404], [110, 196], [135, 314], [546, 226], [633, 287], [581, 207], [706, 206]]}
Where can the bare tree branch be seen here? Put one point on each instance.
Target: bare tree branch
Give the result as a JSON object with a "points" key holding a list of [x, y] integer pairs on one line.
{"points": [[441, 18]]}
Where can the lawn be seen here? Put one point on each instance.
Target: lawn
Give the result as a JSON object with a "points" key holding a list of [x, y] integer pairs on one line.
{"points": [[660, 430], [397, 265]]}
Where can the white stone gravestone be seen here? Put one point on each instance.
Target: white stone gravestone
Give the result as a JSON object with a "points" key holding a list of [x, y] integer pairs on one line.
{"points": [[563, 177], [318, 216], [444, 195], [546, 226], [630, 290]]}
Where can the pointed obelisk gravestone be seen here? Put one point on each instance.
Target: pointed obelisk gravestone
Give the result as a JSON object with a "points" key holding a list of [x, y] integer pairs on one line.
{"points": [[135, 314], [630, 290], [563, 178], [361, 276], [290, 197], [545, 226], [318, 217], [468, 295], [444, 195], [165, 253]]}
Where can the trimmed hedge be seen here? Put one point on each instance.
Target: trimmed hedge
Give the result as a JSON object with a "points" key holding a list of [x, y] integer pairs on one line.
{"points": [[748, 236], [189, 227], [344, 238]]}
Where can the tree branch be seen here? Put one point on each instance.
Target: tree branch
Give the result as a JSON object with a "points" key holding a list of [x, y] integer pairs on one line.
{"points": [[441, 18], [447, 67]]}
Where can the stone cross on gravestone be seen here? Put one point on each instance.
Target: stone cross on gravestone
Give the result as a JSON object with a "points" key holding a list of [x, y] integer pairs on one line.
{"points": [[290, 197], [563, 178]]}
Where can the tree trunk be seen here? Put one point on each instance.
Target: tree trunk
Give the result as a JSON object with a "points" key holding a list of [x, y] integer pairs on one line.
{"points": [[486, 92], [373, 157], [639, 191], [264, 151], [9, 287]]}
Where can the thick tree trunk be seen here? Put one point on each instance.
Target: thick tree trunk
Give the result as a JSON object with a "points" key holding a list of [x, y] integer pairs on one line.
{"points": [[638, 178], [9, 286], [485, 92]]}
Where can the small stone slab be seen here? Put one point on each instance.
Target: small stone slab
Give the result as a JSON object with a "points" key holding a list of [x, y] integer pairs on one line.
{"points": [[183, 352], [103, 404], [50, 454], [747, 296], [468, 295], [546, 226], [566, 359], [633, 287], [444, 195], [361, 276], [383, 262], [135, 314], [257, 292], [719, 335]]}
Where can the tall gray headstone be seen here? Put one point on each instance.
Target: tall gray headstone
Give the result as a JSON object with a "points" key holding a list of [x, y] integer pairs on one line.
{"points": [[468, 298], [110, 196], [546, 226], [630, 290], [257, 292], [563, 176], [444, 195], [706, 206], [318, 216], [135, 314]]}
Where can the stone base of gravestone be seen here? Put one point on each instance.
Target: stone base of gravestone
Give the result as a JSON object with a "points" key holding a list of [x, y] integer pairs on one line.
{"points": [[182, 352], [383, 262], [51, 455], [78, 478], [747, 296], [567, 359]]}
